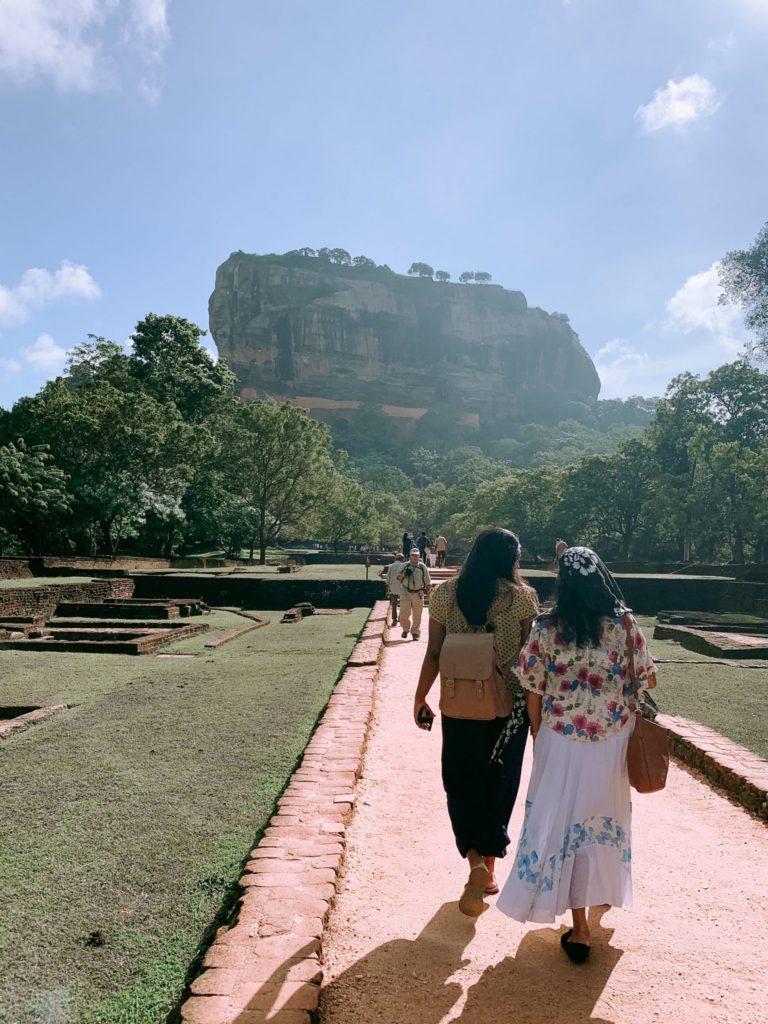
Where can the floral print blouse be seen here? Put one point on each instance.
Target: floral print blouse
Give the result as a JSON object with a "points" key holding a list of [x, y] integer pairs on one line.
{"points": [[586, 690]]}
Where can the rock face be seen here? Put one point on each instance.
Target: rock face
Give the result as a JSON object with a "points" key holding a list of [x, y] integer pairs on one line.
{"points": [[340, 340]]}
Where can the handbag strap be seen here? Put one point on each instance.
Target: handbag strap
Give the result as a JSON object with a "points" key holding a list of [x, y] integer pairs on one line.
{"points": [[631, 659]]}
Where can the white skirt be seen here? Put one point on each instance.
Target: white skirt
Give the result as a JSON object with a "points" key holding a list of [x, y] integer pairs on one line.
{"points": [[575, 846]]}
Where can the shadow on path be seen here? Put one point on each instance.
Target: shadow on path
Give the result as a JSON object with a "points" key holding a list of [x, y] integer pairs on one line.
{"points": [[540, 984], [408, 981]]}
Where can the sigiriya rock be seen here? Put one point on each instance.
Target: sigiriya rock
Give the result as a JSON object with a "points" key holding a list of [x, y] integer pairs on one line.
{"points": [[338, 340]]}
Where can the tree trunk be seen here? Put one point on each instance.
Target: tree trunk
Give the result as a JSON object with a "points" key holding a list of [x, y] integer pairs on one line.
{"points": [[738, 544], [262, 537]]}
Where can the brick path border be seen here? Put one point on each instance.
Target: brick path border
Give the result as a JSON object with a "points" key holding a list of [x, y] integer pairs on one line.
{"points": [[729, 766], [13, 726], [267, 965]]}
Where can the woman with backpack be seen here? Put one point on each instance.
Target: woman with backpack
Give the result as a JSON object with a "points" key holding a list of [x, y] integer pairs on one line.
{"points": [[477, 624], [583, 667]]}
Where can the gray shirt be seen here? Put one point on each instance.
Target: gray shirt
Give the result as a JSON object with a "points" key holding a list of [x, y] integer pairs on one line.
{"points": [[418, 580], [394, 585]]}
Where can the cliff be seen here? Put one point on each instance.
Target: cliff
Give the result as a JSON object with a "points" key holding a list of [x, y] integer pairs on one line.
{"points": [[338, 339]]}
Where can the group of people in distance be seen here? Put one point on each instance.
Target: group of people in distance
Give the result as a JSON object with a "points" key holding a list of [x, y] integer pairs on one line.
{"points": [[431, 552], [569, 683]]}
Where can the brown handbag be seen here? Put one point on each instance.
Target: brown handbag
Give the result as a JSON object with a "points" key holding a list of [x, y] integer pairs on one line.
{"points": [[648, 749]]}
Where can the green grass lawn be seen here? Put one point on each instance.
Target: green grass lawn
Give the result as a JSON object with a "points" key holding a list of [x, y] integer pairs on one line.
{"points": [[729, 698], [130, 815]]}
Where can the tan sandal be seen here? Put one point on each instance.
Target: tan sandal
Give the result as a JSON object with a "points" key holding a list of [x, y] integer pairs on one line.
{"points": [[492, 888], [471, 902]]}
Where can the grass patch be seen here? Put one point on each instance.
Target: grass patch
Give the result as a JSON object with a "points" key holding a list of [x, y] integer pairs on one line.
{"points": [[132, 814], [44, 581], [729, 698]]}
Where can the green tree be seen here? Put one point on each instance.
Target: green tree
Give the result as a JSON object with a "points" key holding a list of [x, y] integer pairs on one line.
{"points": [[467, 276], [33, 495], [483, 277], [442, 276], [743, 277], [341, 257], [125, 455], [363, 261], [172, 366], [421, 270], [347, 513], [284, 465], [625, 479]]}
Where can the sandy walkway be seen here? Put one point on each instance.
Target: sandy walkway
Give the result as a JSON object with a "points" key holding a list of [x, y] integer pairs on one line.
{"points": [[693, 950]]}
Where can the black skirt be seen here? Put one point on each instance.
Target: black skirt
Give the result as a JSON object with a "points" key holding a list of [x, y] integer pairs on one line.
{"points": [[480, 795]]}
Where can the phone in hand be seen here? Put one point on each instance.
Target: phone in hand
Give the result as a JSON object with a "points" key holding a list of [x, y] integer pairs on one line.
{"points": [[425, 717]]}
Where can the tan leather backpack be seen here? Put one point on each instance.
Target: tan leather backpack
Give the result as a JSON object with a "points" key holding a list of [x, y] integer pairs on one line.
{"points": [[471, 683]]}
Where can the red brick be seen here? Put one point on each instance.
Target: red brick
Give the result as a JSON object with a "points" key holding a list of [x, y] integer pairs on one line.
{"points": [[291, 995], [216, 982], [206, 1010]]}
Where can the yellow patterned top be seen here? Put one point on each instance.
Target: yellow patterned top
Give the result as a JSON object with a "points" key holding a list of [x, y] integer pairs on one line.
{"points": [[511, 607]]}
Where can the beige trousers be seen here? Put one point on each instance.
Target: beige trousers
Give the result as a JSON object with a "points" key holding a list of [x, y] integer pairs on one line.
{"points": [[411, 607]]}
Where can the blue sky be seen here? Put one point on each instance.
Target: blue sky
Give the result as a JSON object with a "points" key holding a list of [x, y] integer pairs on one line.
{"points": [[599, 155]]}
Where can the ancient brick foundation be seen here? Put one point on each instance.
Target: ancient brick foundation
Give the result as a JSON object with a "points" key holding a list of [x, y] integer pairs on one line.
{"points": [[18, 603]]}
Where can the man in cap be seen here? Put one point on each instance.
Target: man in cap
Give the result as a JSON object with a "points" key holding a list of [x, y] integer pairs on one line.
{"points": [[416, 584]]}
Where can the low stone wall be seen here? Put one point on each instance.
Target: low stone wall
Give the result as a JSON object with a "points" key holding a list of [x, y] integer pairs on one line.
{"points": [[15, 569], [729, 766], [648, 595], [270, 595], [52, 565], [40, 602]]}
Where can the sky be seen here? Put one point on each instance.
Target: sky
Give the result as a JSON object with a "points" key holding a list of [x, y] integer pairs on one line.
{"points": [[599, 155]]}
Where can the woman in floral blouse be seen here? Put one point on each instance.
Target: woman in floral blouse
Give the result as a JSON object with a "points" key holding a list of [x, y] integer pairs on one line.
{"points": [[488, 591], [574, 851]]}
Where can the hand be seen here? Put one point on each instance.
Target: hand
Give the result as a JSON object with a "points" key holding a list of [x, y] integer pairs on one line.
{"points": [[417, 706]]}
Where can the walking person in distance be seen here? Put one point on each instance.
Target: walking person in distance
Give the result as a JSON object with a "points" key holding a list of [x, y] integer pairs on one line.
{"points": [[441, 548], [488, 596], [415, 586], [422, 544], [407, 545], [574, 851], [394, 586]]}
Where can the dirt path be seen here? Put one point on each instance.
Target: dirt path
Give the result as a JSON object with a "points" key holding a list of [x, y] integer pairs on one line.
{"points": [[692, 950]]}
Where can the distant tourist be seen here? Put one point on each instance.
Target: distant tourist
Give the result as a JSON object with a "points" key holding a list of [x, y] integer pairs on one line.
{"points": [[574, 851], [488, 595], [407, 545], [394, 586], [415, 582], [422, 544], [441, 548]]}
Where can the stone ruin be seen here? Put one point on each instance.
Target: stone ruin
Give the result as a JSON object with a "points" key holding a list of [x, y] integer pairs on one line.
{"points": [[112, 626]]}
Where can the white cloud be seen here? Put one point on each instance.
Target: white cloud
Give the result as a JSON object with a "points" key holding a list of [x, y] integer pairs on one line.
{"points": [[678, 104], [45, 356], [9, 365], [694, 307], [38, 286], [721, 44], [621, 368], [68, 42], [695, 334]]}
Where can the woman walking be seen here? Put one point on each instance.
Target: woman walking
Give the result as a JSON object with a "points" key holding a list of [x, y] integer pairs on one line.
{"points": [[575, 850], [488, 593]]}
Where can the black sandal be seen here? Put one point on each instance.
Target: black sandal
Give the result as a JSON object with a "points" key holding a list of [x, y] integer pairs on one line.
{"points": [[577, 952]]}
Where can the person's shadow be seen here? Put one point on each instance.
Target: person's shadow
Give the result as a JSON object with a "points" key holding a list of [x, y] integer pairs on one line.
{"points": [[540, 984], [407, 981]]}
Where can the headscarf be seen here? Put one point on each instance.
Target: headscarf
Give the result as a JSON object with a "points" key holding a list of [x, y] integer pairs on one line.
{"points": [[583, 569]]}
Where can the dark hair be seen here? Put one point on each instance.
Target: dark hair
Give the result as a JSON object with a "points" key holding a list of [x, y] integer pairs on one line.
{"points": [[577, 612], [493, 557]]}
